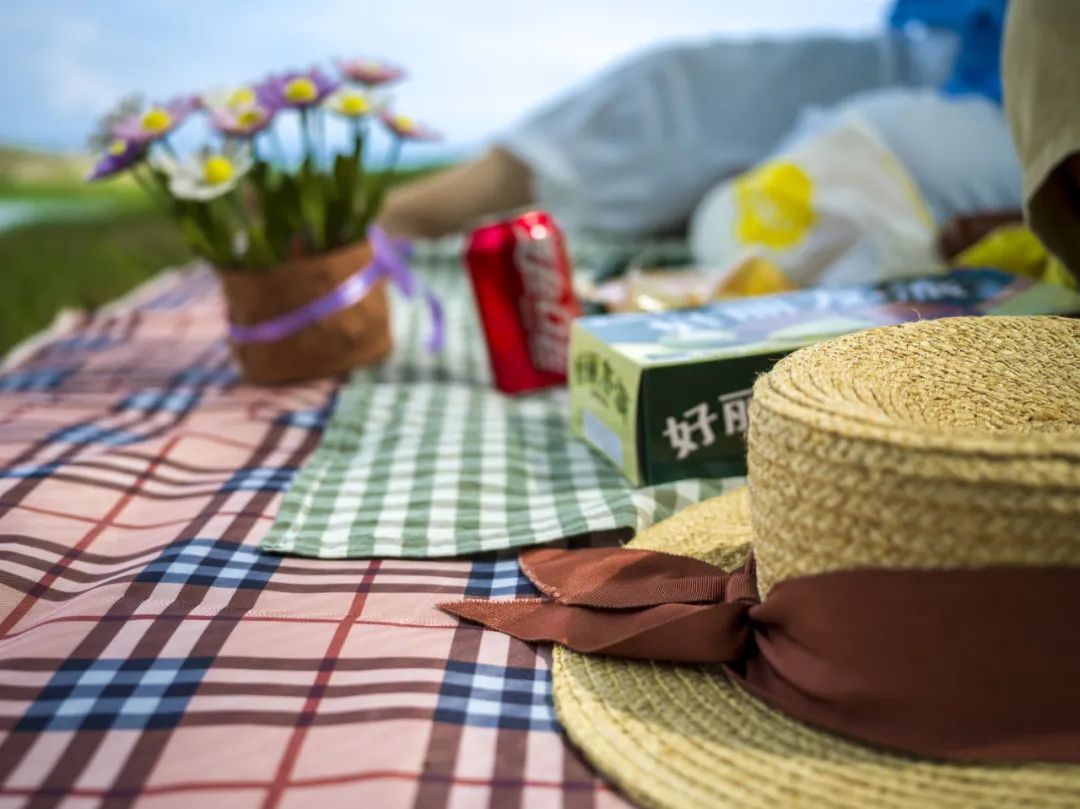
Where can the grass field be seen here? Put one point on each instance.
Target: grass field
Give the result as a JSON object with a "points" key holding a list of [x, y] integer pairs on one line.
{"points": [[114, 242], [47, 266], [93, 243]]}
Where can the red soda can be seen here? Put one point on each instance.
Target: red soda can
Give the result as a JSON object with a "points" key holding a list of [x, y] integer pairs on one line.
{"points": [[524, 292]]}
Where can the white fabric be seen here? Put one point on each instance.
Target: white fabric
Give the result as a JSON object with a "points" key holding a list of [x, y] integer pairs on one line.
{"points": [[635, 149], [958, 149], [836, 207]]}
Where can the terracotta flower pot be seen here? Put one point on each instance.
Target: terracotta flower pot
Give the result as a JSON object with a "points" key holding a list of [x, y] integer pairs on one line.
{"points": [[352, 337]]}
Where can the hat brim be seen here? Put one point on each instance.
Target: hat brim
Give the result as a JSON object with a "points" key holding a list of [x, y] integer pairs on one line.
{"points": [[686, 736]]}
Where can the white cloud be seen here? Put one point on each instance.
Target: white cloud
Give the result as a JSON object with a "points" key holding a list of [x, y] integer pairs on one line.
{"points": [[65, 66]]}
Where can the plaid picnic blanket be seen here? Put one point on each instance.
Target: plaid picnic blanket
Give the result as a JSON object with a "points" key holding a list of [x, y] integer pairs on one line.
{"points": [[422, 458], [151, 656]]}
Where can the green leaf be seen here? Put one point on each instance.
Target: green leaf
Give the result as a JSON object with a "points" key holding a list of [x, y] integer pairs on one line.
{"points": [[193, 223], [196, 239], [287, 199], [216, 230], [340, 195], [313, 204], [275, 229]]}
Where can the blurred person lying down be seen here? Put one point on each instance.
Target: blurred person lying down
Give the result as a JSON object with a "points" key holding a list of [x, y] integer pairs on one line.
{"points": [[861, 147]]}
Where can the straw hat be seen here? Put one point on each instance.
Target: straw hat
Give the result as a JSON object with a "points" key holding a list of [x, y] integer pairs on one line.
{"points": [[941, 444]]}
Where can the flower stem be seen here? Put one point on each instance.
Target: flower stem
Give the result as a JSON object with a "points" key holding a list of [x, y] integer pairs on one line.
{"points": [[252, 228], [379, 192], [217, 224], [358, 141], [279, 149], [199, 234], [312, 191], [168, 147], [320, 128], [356, 197], [305, 133], [149, 189], [395, 155]]}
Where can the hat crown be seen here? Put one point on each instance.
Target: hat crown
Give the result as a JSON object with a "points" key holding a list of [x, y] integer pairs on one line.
{"points": [[939, 444]]}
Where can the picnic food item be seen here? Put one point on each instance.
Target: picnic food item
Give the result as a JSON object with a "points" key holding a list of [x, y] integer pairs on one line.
{"points": [[521, 276], [661, 290], [665, 395], [654, 290], [304, 270], [887, 611]]}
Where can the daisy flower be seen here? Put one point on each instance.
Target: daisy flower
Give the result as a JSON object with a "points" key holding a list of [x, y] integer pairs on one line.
{"points": [[206, 176], [295, 90], [369, 72], [349, 103], [119, 155], [405, 128], [155, 123], [241, 122]]}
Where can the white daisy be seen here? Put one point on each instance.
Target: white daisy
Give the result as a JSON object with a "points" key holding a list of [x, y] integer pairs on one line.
{"points": [[206, 176], [233, 99], [349, 103]]}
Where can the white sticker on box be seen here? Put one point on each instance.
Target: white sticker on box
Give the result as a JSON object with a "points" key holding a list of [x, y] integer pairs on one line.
{"points": [[602, 437]]}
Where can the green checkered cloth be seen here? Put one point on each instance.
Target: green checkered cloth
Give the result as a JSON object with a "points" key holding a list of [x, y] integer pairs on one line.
{"points": [[422, 458]]}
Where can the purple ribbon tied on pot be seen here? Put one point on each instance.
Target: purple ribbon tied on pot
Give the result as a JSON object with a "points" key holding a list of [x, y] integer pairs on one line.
{"points": [[390, 261]]}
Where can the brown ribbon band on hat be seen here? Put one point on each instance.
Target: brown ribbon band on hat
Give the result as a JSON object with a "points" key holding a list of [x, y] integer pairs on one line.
{"points": [[972, 664]]}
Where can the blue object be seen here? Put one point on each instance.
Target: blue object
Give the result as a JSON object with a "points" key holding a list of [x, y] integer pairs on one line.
{"points": [[979, 24]]}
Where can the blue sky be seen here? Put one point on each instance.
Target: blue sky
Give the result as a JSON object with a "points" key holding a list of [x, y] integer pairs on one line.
{"points": [[475, 65]]}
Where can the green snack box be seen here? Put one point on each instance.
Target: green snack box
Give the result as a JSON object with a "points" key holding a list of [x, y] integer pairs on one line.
{"points": [[665, 395]]}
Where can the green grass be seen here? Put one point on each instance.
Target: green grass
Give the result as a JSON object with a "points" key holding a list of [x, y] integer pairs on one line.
{"points": [[47, 266], [108, 241]]}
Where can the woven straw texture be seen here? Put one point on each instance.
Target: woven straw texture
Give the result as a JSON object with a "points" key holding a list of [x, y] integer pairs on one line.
{"points": [[945, 443]]}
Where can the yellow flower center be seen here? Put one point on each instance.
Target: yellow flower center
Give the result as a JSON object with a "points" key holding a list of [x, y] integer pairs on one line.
{"points": [[217, 170], [241, 97], [156, 119], [249, 117], [117, 147], [301, 91], [774, 205], [404, 123], [354, 104]]}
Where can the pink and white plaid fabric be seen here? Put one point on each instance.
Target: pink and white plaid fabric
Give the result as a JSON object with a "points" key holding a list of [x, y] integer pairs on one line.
{"points": [[151, 655]]}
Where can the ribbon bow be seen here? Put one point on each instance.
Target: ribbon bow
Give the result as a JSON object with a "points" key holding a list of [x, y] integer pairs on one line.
{"points": [[390, 261], [962, 663], [628, 603]]}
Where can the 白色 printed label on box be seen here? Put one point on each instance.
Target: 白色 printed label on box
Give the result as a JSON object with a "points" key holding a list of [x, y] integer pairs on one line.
{"points": [[603, 399]]}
